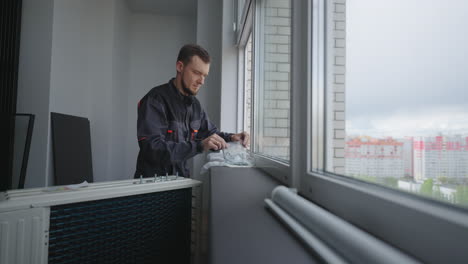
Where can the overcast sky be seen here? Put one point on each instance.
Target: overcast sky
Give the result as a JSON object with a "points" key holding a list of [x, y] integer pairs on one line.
{"points": [[407, 67]]}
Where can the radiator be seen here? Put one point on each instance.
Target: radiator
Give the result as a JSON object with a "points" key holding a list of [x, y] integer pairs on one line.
{"points": [[23, 236], [115, 222]]}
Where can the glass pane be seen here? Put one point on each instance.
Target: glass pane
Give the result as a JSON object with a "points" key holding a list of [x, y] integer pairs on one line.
{"points": [[272, 83], [248, 86], [241, 4], [397, 94]]}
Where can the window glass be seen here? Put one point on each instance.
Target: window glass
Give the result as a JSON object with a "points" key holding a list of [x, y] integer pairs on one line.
{"points": [[248, 85], [396, 89], [241, 5], [272, 80]]}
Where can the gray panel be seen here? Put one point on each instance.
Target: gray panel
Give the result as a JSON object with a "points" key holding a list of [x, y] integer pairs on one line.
{"points": [[241, 228]]}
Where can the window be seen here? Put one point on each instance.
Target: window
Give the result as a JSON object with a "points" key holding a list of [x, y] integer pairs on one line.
{"points": [[394, 90], [247, 85], [241, 14], [271, 89], [384, 109], [264, 42]]}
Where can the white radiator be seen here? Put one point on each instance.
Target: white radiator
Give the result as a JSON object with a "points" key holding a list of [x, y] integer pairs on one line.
{"points": [[24, 236]]}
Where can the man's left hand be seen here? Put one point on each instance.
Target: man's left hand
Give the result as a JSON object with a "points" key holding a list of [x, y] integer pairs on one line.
{"points": [[243, 137]]}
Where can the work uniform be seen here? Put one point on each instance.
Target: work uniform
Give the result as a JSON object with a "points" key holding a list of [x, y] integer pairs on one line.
{"points": [[170, 129]]}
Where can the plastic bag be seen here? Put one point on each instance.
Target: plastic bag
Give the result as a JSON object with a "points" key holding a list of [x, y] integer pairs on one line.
{"points": [[238, 155]]}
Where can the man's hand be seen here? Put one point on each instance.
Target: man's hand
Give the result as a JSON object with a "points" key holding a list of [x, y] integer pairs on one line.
{"points": [[213, 142], [243, 137]]}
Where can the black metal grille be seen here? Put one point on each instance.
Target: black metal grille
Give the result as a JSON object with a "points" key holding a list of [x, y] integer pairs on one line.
{"points": [[147, 228], [10, 27]]}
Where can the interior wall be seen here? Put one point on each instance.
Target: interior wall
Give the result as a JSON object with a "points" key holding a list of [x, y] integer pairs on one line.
{"points": [[96, 60], [82, 71], [219, 94], [240, 220], [74, 59], [34, 82], [121, 75], [209, 26], [154, 44], [229, 75]]}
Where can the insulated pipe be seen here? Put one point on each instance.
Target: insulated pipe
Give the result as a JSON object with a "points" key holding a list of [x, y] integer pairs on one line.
{"points": [[349, 241], [317, 245]]}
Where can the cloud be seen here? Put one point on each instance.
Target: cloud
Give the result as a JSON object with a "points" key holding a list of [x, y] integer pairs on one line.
{"points": [[422, 122]]}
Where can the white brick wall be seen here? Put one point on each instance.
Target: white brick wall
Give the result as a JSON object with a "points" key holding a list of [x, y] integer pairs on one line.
{"points": [[336, 18], [276, 78]]}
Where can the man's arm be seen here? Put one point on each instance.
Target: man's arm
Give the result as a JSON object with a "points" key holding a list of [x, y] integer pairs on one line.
{"points": [[209, 129], [243, 137]]}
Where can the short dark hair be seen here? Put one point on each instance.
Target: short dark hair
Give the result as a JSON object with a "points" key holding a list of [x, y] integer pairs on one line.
{"points": [[188, 51]]}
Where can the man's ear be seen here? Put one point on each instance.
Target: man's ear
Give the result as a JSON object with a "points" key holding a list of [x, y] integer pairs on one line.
{"points": [[179, 66]]}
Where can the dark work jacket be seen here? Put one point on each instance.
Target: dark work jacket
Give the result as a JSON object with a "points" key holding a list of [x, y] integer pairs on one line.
{"points": [[170, 129]]}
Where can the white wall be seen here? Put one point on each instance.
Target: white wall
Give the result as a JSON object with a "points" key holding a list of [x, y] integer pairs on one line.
{"points": [[121, 75], [155, 43], [209, 26], [34, 82], [81, 71], [96, 59], [74, 59], [229, 76]]}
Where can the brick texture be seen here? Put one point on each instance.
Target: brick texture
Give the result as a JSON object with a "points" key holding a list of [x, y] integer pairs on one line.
{"points": [[276, 79], [336, 83]]}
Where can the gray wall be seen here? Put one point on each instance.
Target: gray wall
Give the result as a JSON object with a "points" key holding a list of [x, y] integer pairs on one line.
{"points": [[218, 95], [97, 59], [229, 76], [121, 84], [241, 228], [34, 82], [209, 20], [94, 59], [81, 70], [155, 43], [209, 26]]}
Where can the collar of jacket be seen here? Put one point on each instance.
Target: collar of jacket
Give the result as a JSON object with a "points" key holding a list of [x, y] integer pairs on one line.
{"points": [[188, 100]]}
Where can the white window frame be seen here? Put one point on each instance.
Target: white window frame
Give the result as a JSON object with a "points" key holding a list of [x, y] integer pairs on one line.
{"points": [[278, 169], [415, 225]]}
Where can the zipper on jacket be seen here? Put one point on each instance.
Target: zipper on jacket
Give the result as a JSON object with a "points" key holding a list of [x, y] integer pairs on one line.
{"points": [[187, 122]]}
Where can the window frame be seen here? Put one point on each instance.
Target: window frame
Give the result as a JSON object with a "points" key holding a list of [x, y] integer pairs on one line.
{"points": [[243, 26], [276, 168], [391, 215]]}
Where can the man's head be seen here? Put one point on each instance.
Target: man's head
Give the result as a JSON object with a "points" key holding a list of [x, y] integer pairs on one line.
{"points": [[193, 65]]}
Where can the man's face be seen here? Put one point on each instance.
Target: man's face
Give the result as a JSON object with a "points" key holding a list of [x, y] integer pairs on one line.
{"points": [[193, 74]]}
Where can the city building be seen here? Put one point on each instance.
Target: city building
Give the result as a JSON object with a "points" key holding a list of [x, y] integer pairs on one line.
{"points": [[440, 156], [367, 156]]}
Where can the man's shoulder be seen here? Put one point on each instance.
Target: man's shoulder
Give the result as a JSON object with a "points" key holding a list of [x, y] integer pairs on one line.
{"points": [[159, 90], [157, 93]]}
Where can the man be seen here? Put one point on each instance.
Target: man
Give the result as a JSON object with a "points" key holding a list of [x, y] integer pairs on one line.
{"points": [[172, 126]]}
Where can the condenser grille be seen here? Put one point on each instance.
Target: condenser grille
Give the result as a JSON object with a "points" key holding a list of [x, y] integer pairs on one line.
{"points": [[147, 228]]}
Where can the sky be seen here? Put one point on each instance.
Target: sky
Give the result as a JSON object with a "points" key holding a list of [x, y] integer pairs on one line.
{"points": [[407, 67]]}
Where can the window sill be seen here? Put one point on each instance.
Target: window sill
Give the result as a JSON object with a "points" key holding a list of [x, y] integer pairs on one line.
{"points": [[277, 169]]}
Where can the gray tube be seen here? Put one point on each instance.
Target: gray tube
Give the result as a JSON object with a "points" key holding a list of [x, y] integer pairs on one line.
{"points": [[346, 239], [311, 241]]}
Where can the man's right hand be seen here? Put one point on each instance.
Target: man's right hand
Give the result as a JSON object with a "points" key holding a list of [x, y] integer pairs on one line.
{"points": [[214, 142]]}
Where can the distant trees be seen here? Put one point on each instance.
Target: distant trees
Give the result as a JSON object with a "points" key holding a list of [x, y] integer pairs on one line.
{"points": [[461, 195], [429, 188]]}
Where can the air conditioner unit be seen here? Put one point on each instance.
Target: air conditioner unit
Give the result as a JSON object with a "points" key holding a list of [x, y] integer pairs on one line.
{"points": [[130, 221]]}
